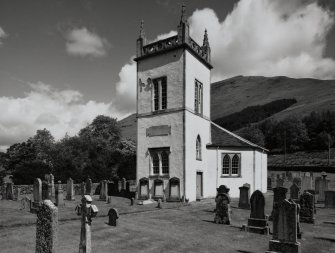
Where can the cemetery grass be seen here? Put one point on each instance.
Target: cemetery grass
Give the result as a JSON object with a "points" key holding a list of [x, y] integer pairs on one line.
{"points": [[175, 228]]}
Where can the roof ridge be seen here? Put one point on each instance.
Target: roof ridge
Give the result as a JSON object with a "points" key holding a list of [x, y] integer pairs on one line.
{"points": [[237, 136]]}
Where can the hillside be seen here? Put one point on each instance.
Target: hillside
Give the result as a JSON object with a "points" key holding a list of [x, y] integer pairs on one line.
{"points": [[235, 94]]}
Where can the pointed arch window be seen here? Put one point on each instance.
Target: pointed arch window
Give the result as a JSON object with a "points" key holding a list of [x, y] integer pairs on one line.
{"points": [[198, 148], [159, 95], [159, 161], [231, 165], [198, 97]]}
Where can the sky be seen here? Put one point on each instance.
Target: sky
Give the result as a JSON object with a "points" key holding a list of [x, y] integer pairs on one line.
{"points": [[63, 62]]}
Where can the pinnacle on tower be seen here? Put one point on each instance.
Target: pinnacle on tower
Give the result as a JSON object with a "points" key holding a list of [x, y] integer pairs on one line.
{"points": [[183, 27], [206, 48], [183, 18], [205, 42], [142, 33]]}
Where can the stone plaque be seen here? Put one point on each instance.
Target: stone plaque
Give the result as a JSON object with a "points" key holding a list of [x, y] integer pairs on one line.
{"points": [[158, 130]]}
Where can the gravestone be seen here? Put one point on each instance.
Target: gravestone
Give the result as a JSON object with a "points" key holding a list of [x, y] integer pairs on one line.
{"points": [[69, 190], [132, 201], [37, 194], [314, 198], [269, 183], [244, 197], [83, 188], [222, 211], [297, 181], [174, 186], [88, 186], [330, 199], [59, 195], [45, 190], [222, 189], [323, 186], [110, 190], [307, 183], [143, 189], [9, 191], [294, 192], [47, 228], [26, 204], [124, 186], [103, 190], [284, 237], [113, 216], [279, 194], [158, 189], [159, 203], [306, 213], [280, 182], [257, 222]]}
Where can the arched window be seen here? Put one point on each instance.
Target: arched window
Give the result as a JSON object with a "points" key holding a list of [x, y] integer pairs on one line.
{"points": [[235, 165], [198, 148], [225, 165], [155, 163], [165, 162]]}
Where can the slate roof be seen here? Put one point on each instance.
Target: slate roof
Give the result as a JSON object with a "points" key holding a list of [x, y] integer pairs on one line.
{"points": [[223, 138]]}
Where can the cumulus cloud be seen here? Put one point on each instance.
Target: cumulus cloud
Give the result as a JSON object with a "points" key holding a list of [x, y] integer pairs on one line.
{"points": [[60, 111], [82, 42], [277, 37], [2, 35]]}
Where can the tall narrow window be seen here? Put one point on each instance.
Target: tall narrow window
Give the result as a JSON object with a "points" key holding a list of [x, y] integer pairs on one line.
{"points": [[155, 163], [198, 148], [226, 165], [165, 162], [235, 165], [198, 97], [159, 93]]}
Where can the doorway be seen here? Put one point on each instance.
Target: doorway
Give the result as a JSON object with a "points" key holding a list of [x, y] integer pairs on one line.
{"points": [[199, 185]]}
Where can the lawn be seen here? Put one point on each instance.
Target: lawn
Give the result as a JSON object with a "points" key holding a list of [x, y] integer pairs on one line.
{"points": [[175, 228]]}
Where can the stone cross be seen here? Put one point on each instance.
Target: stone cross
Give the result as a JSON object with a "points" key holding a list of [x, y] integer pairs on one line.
{"points": [[88, 186], [59, 195], [47, 228], [113, 216], [9, 191], [284, 238], [37, 193], [294, 191], [244, 197], [69, 190], [87, 212], [222, 215], [307, 208]]}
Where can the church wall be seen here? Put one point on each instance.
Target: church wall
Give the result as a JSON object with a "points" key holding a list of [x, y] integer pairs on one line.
{"points": [[169, 64], [195, 126], [174, 141]]}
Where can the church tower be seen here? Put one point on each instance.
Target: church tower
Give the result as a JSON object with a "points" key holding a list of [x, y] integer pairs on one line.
{"points": [[173, 116]]}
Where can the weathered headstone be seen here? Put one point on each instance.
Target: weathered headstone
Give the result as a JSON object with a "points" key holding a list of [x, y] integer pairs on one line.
{"points": [[323, 186], [113, 216], [159, 203], [279, 194], [297, 181], [9, 191], [124, 186], [330, 199], [69, 189], [132, 201], [280, 182], [314, 197], [222, 211], [87, 212], [284, 237], [103, 190], [306, 208], [294, 192], [83, 188], [26, 204], [45, 190], [37, 194], [88, 186], [244, 197], [59, 195], [257, 222], [222, 189], [47, 228], [110, 188]]}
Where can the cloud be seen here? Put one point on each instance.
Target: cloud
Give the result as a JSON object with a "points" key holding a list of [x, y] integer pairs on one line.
{"points": [[82, 42], [277, 37], [2, 35], [60, 111]]}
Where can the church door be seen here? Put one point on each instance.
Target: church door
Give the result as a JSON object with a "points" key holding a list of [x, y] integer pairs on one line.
{"points": [[199, 185]]}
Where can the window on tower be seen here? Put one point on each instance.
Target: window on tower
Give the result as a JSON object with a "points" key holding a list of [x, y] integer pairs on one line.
{"points": [[159, 161], [159, 94], [198, 94]]}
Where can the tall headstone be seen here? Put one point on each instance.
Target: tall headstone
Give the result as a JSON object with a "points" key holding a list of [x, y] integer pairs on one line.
{"points": [[9, 191], [314, 197], [88, 186], [294, 192], [323, 186], [113, 216], [87, 212], [59, 195], [124, 185], [83, 188], [307, 208], [244, 197], [284, 237], [52, 186], [69, 189], [330, 199], [45, 190], [257, 222], [222, 211], [103, 186], [37, 194], [47, 228], [279, 194]]}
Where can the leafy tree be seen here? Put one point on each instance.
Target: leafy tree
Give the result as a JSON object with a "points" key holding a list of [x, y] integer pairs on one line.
{"points": [[253, 134]]}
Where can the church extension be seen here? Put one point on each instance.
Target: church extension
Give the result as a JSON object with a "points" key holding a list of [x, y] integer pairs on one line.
{"points": [[181, 153]]}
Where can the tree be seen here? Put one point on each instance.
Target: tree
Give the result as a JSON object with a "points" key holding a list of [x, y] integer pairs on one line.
{"points": [[253, 134]]}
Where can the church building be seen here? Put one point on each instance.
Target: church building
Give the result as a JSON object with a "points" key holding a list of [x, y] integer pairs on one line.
{"points": [[181, 153]]}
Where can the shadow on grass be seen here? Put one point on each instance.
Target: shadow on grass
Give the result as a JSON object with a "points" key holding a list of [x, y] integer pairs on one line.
{"points": [[325, 239], [209, 211], [209, 221], [243, 251]]}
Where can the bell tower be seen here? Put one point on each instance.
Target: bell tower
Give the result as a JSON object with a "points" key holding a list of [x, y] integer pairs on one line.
{"points": [[173, 115]]}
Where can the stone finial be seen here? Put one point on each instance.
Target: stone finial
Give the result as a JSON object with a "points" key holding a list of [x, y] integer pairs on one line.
{"points": [[205, 41], [142, 33], [183, 18]]}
